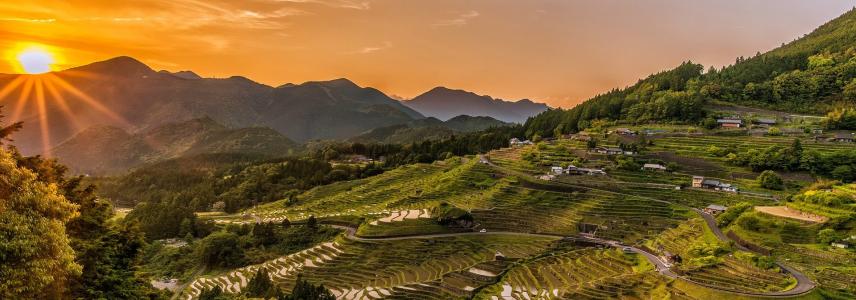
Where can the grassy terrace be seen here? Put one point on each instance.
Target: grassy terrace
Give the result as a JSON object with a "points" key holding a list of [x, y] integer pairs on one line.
{"points": [[730, 273], [352, 269], [580, 274], [832, 268], [698, 145]]}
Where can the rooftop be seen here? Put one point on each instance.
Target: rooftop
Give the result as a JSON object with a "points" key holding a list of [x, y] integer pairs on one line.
{"points": [[716, 207]]}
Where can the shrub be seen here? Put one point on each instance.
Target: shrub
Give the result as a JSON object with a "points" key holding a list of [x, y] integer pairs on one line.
{"points": [[770, 180], [732, 213]]}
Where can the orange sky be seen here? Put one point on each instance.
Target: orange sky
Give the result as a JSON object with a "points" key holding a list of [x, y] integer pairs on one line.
{"points": [[555, 51]]}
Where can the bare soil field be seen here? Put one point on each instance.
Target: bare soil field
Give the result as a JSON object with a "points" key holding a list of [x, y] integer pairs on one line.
{"points": [[785, 212]]}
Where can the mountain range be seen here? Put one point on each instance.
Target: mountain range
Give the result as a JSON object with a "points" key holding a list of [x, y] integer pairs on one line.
{"points": [[444, 103], [126, 95]]}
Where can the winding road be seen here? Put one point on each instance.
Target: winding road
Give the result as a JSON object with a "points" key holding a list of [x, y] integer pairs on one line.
{"points": [[804, 284]]}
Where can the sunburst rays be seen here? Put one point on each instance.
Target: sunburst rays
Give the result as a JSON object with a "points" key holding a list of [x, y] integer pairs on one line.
{"points": [[45, 91]]}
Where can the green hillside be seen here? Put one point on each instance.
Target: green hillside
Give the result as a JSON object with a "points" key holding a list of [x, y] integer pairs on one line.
{"points": [[105, 150], [815, 74], [427, 129]]}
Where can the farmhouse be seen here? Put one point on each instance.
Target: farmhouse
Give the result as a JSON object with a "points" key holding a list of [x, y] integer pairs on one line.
{"points": [[584, 171], [653, 167], [714, 209], [730, 123], [701, 182], [765, 121], [839, 245], [624, 131], [670, 258], [843, 137], [557, 170], [517, 142]]}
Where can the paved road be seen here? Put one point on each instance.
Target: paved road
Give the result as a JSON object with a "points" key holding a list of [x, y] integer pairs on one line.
{"points": [[662, 267]]}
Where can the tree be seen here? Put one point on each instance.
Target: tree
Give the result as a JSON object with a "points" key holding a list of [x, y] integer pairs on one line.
{"points": [[34, 250], [826, 236], [6, 131], [591, 144], [261, 285], [215, 293], [312, 222], [304, 290], [844, 173], [286, 223], [221, 249], [770, 180]]}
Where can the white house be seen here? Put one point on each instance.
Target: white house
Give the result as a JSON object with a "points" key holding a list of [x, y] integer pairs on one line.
{"points": [[518, 142], [653, 167], [557, 170]]}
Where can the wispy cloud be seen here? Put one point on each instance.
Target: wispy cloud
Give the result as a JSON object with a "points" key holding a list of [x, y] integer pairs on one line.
{"points": [[351, 4], [460, 20], [372, 49], [27, 20]]}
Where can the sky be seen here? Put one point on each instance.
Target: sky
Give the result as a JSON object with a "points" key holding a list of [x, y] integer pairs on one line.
{"points": [[560, 52]]}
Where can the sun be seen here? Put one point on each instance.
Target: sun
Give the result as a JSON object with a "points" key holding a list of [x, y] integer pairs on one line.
{"points": [[35, 60]]}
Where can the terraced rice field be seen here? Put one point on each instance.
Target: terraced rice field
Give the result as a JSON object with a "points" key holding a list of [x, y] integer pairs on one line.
{"points": [[732, 274], [577, 274], [698, 145], [736, 275], [438, 268], [408, 188]]}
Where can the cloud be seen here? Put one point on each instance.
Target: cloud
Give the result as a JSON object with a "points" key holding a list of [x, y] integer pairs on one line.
{"points": [[27, 20], [460, 20], [351, 4], [372, 49]]}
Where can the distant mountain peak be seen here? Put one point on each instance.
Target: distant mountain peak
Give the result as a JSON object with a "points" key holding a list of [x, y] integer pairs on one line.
{"points": [[187, 75], [445, 103], [340, 83], [121, 65]]}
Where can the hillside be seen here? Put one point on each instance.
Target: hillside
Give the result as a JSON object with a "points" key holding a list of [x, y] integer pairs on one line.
{"points": [[124, 93], [814, 74], [427, 129], [444, 103], [102, 149]]}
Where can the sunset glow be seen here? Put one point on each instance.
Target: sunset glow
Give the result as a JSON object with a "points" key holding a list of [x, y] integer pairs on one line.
{"points": [[557, 52]]}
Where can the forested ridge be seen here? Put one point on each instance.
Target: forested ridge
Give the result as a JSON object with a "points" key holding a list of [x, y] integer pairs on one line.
{"points": [[814, 74]]}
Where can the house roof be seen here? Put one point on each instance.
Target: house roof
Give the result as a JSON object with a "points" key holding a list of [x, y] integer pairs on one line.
{"points": [[711, 182], [716, 207], [730, 121], [843, 135], [653, 166], [767, 121]]}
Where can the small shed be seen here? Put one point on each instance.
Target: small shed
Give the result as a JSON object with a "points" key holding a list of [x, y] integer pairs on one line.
{"points": [[714, 209]]}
